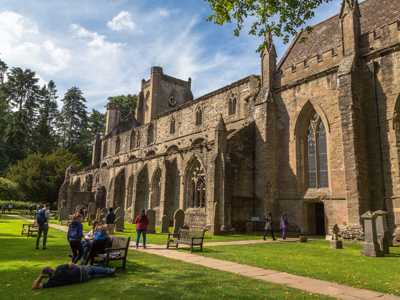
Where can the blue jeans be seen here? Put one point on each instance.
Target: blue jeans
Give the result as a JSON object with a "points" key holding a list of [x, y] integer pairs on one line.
{"points": [[138, 233], [98, 272]]}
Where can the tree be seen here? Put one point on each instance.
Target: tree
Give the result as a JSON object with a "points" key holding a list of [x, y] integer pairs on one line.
{"points": [[39, 176], [96, 123], [282, 18], [5, 118], [46, 131], [126, 103], [3, 71], [23, 94], [74, 124]]}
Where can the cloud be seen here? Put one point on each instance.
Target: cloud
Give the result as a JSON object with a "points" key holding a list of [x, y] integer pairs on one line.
{"points": [[23, 44], [164, 12], [122, 22]]}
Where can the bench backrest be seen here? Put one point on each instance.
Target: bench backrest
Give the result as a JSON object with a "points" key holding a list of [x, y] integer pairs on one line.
{"points": [[120, 243], [188, 234]]}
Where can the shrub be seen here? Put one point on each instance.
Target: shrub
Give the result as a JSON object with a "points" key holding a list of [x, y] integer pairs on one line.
{"points": [[17, 204], [9, 189]]}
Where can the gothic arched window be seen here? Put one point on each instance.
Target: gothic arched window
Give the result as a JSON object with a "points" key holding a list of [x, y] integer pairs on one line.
{"points": [[172, 126], [105, 148], [232, 105], [317, 158], [117, 145], [199, 116], [196, 185], [132, 141], [138, 138], [150, 134]]}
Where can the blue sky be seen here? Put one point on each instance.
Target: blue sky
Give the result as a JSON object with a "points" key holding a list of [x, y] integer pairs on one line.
{"points": [[106, 47]]}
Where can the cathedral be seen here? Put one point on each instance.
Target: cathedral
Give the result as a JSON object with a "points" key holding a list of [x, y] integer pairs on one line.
{"points": [[315, 136]]}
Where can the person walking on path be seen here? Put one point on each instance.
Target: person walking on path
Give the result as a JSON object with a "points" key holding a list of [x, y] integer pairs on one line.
{"points": [[42, 219], [70, 274], [141, 222], [74, 235], [284, 225], [268, 227]]}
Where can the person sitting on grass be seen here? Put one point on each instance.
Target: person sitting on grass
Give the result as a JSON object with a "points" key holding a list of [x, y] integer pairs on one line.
{"points": [[69, 274], [141, 222], [74, 235]]}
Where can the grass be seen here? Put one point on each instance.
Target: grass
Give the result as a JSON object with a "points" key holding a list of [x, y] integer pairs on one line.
{"points": [[317, 260], [147, 276]]}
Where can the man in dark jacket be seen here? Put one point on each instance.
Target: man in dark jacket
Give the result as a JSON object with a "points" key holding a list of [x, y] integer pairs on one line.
{"points": [[110, 218], [70, 274]]}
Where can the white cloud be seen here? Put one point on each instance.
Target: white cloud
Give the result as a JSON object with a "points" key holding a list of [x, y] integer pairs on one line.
{"points": [[22, 44], [164, 12], [122, 21]]}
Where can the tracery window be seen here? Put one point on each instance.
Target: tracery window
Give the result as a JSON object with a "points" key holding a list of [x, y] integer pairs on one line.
{"points": [[199, 116], [317, 158], [196, 181], [232, 105], [172, 126]]}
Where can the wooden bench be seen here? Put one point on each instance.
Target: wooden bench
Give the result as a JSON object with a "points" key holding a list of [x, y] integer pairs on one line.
{"points": [[117, 251], [191, 237], [30, 229]]}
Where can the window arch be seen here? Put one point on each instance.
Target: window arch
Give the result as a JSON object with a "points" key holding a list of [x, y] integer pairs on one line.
{"points": [[316, 154], [232, 105], [195, 185], [172, 125], [132, 140], [396, 121], [105, 148], [138, 138], [199, 116], [150, 134], [117, 145]]}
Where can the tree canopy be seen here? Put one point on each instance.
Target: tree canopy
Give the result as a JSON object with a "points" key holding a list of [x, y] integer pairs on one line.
{"points": [[126, 103], [282, 18]]}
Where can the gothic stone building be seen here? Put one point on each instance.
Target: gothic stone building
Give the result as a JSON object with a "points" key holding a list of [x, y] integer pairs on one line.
{"points": [[316, 136]]}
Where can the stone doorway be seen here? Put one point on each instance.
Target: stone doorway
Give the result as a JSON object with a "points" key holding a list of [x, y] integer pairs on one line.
{"points": [[315, 218]]}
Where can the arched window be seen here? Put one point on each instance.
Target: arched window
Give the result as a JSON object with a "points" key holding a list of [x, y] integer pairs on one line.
{"points": [[196, 185], [105, 149], [172, 126], [138, 138], [317, 158], [396, 121], [150, 134], [117, 145], [199, 116], [232, 105], [132, 141]]}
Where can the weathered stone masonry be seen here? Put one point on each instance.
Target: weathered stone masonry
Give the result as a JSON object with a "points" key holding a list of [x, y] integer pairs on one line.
{"points": [[316, 136]]}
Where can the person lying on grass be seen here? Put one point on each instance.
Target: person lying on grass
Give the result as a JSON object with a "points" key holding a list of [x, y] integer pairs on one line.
{"points": [[70, 274]]}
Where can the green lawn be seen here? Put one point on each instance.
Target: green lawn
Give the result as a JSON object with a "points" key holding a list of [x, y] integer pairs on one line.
{"points": [[316, 259], [147, 276]]}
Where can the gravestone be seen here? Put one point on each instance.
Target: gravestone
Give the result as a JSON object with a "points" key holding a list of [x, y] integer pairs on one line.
{"points": [[119, 219], [164, 224], [382, 231], [151, 215], [396, 237], [91, 212], [370, 245], [179, 219], [336, 243]]}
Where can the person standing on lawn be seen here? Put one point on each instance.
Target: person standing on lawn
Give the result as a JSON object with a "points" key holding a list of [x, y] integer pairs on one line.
{"points": [[268, 227], [74, 235], [110, 220], [141, 222], [284, 225], [42, 219]]}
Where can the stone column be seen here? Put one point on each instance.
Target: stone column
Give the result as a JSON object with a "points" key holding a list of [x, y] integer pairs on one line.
{"points": [[134, 197], [164, 201]]}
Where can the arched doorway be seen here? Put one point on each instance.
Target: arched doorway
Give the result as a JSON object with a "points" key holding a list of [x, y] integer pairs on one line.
{"points": [[316, 218], [172, 188], [142, 191], [155, 189]]}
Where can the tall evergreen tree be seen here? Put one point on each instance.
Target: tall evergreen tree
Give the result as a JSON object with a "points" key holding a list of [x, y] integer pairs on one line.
{"points": [[3, 71], [23, 95], [5, 118], [96, 123], [74, 124], [46, 132]]}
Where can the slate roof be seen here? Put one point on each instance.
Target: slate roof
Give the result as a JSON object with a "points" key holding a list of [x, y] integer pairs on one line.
{"points": [[327, 34]]}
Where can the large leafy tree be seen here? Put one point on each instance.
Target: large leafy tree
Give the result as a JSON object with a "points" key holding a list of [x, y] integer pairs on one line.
{"points": [[5, 118], [282, 18], [39, 176], [126, 103]]}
